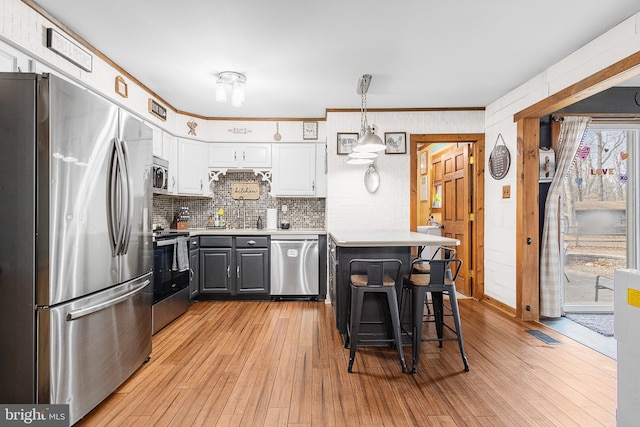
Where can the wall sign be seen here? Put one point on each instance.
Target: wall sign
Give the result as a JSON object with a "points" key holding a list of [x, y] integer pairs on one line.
{"points": [[157, 110], [499, 159], [69, 50], [309, 130], [246, 190]]}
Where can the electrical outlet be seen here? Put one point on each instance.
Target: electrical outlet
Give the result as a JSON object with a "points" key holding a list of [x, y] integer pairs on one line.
{"points": [[284, 208], [506, 191]]}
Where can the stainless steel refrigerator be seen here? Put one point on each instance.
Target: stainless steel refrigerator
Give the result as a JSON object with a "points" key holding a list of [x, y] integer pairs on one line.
{"points": [[76, 253]]}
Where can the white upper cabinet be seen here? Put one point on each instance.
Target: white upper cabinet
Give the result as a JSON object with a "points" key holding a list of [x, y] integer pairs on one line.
{"points": [[170, 154], [321, 170], [157, 141], [294, 170], [192, 168], [247, 156], [12, 60]]}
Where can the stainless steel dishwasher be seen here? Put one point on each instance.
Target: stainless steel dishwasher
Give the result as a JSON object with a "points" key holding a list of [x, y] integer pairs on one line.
{"points": [[294, 266]]}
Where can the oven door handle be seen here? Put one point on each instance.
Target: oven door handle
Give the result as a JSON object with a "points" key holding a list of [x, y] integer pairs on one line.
{"points": [[166, 242]]}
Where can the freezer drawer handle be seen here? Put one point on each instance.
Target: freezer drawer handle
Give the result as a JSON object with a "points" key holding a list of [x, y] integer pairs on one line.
{"points": [[73, 315]]}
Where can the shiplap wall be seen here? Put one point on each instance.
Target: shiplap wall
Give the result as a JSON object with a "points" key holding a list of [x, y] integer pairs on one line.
{"points": [[349, 205]]}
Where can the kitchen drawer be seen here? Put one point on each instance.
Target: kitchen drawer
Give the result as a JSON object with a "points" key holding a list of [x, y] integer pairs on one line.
{"points": [[216, 241], [194, 243], [252, 242]]}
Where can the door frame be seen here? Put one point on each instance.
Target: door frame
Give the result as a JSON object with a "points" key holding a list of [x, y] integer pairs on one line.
{"points": [[527, 190], [477, 206]]}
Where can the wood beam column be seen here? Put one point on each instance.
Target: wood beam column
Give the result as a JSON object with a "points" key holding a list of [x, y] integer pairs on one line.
{"points": [[527, 240]]}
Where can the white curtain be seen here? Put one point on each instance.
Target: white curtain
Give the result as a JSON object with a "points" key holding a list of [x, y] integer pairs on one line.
{"points": [[572, 132]]}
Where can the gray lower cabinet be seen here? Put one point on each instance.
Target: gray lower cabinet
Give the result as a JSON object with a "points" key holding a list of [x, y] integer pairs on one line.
{"points": [[234, 265]]}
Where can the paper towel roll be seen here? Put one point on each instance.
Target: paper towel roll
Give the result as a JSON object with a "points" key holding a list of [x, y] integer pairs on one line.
{"points": [[272, 219]]}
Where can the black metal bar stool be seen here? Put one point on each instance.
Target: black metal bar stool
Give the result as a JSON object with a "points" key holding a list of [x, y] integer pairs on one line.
{"points": [[424, 267], [378, 276], [439, 281]]}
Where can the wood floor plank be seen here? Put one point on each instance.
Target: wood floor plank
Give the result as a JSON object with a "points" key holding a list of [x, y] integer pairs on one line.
{"points": [[245, 363]]}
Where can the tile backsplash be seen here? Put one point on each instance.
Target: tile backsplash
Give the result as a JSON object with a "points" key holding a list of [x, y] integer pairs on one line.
{"points": [[301, 212]]}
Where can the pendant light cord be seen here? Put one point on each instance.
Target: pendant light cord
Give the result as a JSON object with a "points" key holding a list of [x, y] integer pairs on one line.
{"points": [[363, 111]]}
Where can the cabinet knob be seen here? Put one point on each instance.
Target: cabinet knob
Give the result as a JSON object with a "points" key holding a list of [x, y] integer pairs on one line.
{"points": [[238, 272], [251, 242], [228, 271]]}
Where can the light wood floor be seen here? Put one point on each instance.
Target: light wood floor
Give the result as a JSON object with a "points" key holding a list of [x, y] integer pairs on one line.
{"points": [[283, 364]]}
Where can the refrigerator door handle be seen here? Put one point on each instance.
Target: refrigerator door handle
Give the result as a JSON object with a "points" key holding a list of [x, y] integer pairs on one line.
{"points": [[76, 314], [122, 200], [113, 210], [128, 181]]}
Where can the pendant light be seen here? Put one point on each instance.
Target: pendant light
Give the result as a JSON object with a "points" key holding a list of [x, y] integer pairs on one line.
{"points": [[368, 141]]}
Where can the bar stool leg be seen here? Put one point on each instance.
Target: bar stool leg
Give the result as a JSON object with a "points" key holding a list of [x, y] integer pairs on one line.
{"points": [[438, 314], [456, 318], [418, 294], [357, 297], [392, 299]]}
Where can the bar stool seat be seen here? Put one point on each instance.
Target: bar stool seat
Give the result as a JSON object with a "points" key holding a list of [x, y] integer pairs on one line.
{"points": [[438, 282], [373, 276]]}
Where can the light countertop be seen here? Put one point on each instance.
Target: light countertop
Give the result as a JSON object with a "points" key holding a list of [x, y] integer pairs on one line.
{"points": [[253, 232], [389, 238]]}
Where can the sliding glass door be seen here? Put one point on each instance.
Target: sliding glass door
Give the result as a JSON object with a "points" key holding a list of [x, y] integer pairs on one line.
{"points": [[599, 217]]}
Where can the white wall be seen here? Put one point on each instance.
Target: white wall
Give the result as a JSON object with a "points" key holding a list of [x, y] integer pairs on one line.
{"points": [[500, 214], [349, 205]]}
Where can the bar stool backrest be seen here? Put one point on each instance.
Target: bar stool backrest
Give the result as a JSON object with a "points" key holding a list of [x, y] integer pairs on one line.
{"points": [[376, 269], [441, 270]]}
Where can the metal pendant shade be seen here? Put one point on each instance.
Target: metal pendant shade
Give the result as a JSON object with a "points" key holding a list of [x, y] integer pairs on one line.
{"points": [[368, 142]]}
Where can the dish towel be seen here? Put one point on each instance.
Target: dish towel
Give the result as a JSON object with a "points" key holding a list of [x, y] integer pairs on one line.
{"points": [[181, 254]]}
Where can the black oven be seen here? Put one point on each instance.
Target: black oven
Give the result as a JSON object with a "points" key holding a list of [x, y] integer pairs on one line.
{"points": [[170, 285], [167, 279], [160, 178]]}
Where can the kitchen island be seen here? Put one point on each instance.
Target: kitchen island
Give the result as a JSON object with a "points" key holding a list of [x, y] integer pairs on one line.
{"points": [[347, 245]]}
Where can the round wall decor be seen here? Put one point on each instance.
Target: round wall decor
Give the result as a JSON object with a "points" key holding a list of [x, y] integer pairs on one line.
{"points": [[499, 160]]}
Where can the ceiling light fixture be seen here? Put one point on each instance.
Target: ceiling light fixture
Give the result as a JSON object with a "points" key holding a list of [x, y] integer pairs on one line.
{"points": [[231, 81], [359, 161], [361, 157], [368, 141]]}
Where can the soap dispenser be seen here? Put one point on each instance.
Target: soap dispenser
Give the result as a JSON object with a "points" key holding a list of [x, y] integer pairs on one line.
{"points": [[259, 225]]}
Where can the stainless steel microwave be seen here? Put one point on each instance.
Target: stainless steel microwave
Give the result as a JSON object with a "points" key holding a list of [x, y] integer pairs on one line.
{"points": [[160, 175]]}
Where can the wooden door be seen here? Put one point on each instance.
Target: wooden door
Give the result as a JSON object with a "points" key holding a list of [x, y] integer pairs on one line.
{"points": [[456, 203]]}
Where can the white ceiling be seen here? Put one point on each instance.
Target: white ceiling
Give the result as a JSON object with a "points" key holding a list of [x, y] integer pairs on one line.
{"points": [[302, 57]]}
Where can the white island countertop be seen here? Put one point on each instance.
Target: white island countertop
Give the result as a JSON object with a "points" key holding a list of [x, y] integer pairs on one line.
{"points": [[389, 238]]}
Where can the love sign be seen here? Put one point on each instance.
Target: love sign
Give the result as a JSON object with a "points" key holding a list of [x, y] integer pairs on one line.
{"points": [[605, 171]]}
